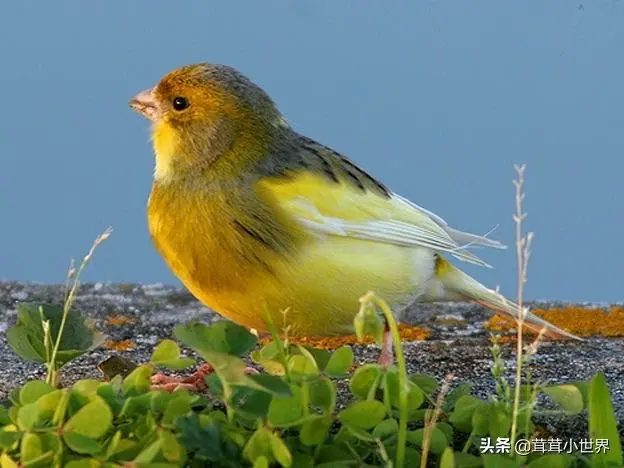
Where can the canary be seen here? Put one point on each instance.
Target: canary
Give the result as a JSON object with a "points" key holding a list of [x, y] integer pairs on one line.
{"points": [[255, 218]]}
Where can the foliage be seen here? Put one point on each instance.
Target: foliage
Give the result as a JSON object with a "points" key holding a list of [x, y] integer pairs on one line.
{"points": [[27, 338], [285, 416], [52, 334]]}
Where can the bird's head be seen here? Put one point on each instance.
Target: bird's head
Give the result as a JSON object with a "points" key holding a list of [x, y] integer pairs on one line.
{"points": [[205, 114]]}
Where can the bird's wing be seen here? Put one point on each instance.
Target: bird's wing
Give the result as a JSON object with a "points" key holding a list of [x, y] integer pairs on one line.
{"points": [[329, 195]]}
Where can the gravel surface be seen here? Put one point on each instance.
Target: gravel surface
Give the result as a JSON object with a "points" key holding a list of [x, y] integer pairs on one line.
{"points": [[458, 344]]}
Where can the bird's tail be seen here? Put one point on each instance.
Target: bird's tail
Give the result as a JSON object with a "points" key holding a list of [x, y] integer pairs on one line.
{"points": [[457, 285]]}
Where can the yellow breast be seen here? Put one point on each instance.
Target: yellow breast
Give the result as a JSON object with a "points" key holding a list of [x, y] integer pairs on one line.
{"points": [[317, 280]]}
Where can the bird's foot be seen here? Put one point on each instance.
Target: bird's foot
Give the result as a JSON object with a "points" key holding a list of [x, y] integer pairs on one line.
{"points": [[194, 383]]}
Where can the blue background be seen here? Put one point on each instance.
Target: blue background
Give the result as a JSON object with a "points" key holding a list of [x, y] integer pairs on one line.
{"points": [[437, 99]]}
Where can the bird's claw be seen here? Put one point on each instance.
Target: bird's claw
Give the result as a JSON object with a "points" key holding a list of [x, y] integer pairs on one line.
{"points": [[194, 383]]}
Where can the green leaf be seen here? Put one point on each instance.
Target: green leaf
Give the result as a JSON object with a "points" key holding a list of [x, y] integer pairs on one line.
{"points": [[556, 460], [26, 337], [285, 411], [251, 402], [159, 399], [461, 417], [454, 395], [83, 463], [50, 443], [138, 381], [268, 357], [8, 438], [412, 456], [602, 424], [331, 456], [171, 448], [271, 384], [438, 441], [567, 396], [148, 454], [113, 444], [30, 448], [135, 406], [499, 421], [261, 462], [340, 362], [19, 341], [481, 420], [177, 406], [223, 337], [167, 354], [92, 420], [363, 379], [80, 443], [415, 396], [583, 386], [364, 414], [126, 449], [314, 431], [343, 436], [202, 439], [280, 450], [447, 429], [230, 369], [386, 428], [360, 434], [302, 460], [7, 462], [321, 356], [426, 383], [166, 350], [258, 445], [322, 394], [448, 458], [302, 366], [107, 392], [4, 415], [28, 416], [86, 387], [32, 390]]}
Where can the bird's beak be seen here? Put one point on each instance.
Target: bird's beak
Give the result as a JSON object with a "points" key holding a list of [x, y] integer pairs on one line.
{"points": [[145, 103]]}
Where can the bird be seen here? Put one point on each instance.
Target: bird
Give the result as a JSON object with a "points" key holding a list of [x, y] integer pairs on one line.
{"points": [[255, 218]]}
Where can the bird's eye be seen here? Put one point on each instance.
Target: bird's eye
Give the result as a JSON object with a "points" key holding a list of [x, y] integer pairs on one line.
{"points": [[180, 103]]}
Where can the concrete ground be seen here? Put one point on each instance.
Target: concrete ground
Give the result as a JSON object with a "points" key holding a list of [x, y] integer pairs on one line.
{"points": [[458, 343]]}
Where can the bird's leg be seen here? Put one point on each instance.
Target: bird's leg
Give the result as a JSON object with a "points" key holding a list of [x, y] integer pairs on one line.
{"points": [[194, 382], [386, 358]]}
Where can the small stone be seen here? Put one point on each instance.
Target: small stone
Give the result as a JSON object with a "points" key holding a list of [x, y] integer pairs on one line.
{"points": [[19, 295]]}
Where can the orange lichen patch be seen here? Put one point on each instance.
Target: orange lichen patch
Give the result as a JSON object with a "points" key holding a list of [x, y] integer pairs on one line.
{"points": [[118, 320], [578, 320], [124, 345], [407, 333], [504, 339]]}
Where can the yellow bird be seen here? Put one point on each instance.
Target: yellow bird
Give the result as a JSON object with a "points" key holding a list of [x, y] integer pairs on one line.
{"points": [[252, 216]]}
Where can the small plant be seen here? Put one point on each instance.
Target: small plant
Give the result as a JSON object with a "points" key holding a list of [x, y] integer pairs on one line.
{"points": [[286, 416], [53, 334]]}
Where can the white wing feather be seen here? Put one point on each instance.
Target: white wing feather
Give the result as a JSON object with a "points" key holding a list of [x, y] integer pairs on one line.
{"points": [[436, 235]]}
